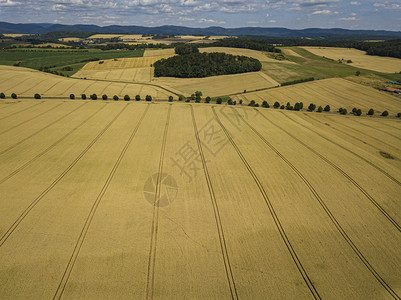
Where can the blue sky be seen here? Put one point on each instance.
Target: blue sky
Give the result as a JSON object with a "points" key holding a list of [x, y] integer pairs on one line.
{"points": [[295, 14]]}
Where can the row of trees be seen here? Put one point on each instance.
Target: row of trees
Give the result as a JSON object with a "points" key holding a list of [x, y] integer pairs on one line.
{"points": [[244, 43], [115, 97], [198, 65]]}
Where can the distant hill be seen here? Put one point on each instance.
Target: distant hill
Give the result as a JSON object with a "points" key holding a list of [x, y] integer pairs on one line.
{"points": [[42, 28]]}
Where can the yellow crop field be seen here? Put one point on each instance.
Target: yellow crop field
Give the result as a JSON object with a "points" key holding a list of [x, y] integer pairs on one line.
{"points": [[335, 92], [290, 52], [105, 36], [123, 63], [158, 52], [125, 74], [359, 58], [219, 85], [134, 200], [245, 52], [26, 83]]}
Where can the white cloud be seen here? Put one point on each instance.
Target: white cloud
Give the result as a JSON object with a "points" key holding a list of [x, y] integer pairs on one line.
{"points": [[348, 19], [322, 12], [272, 21], [355, 3]]}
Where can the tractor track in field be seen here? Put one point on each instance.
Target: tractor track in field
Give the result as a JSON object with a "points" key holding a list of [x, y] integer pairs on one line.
{"points": [[155, 220], [20, 111], [220, 231], [35, 84], [344, 174], [50, 147], [378, 129], [8, 105], [275, 217], [323, 204], [42, 129], [33, 118], [348, 150], [81, 239], [361, 132], [18, 221], [350, 135]]}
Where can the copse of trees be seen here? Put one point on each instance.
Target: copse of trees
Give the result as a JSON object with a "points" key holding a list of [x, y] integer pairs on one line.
{"points": [[183, 49], [199, 65]]}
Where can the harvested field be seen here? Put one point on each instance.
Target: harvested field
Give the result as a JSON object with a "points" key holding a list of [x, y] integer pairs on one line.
{"points": [[270, 204], [70, 39], [219, 85], [245, 52], [123, 63], [359, 58], [158, 52], [26, 83], [335, 92], [126, 74], [290, 52]]}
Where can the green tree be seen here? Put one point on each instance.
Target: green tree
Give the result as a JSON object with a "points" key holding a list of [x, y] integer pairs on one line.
{"points": [[115, 97], [327, 108], [230, 101], [2, 96], [240, 101], [37, 96], [72, 96], [371, 112], [14, 96], [148, 98], [276, 104], [94, 97], [198, 93], [297, 106], [207, 99], [301, 104], [312, 107], [399, 115], [354, 110], [198, 98], [219, 100], [83, 96], [340, 110], [170, 99], [252, 103], [344, 111], [104, 97], [181, 98], [357, 73], [265, 104], [385, 113], [127, 98], [282, 106], [137, 98], [358, 112]]}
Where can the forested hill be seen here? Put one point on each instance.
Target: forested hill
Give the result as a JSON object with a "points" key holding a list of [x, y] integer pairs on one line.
{"points": [[177, 30]]}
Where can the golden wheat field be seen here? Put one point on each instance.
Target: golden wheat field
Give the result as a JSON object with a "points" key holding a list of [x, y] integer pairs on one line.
{"points": [[218, 85], [244, 52], [335, 92], [106, 199], [359, 58], [27, 82]]}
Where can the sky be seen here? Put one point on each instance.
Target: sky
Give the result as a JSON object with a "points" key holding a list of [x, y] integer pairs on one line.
{"points": [[293, 14]]}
